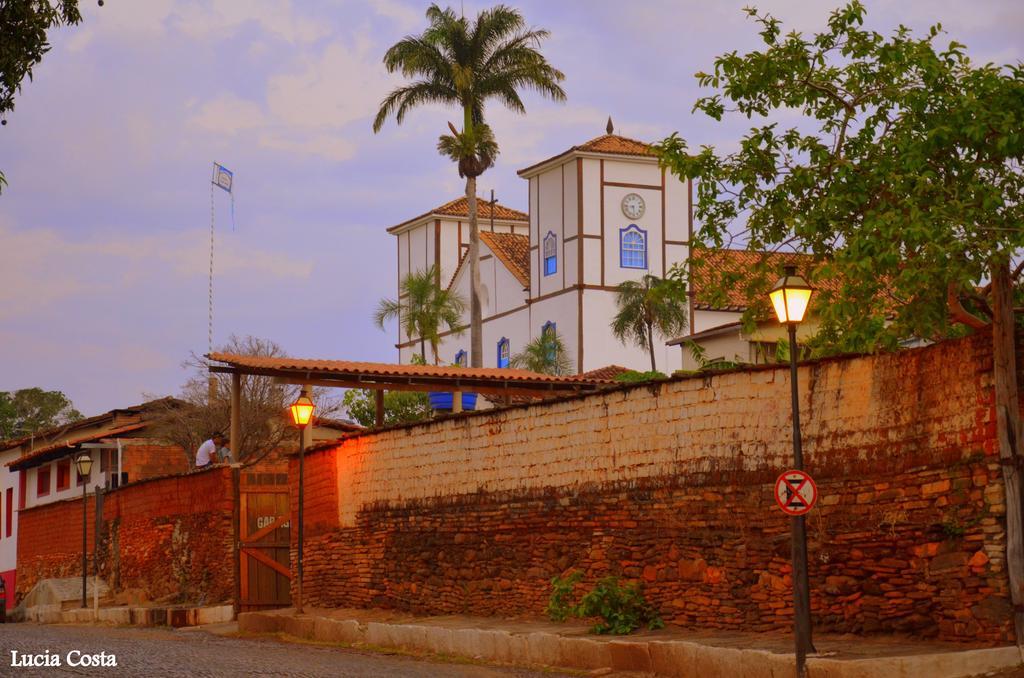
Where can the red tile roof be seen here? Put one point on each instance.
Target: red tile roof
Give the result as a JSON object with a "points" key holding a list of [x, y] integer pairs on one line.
{"points": [[709, 267], [513, 251], [46, 452], [460, 208], [368, 372], [611, 144], [64, 429], [606, 373]]}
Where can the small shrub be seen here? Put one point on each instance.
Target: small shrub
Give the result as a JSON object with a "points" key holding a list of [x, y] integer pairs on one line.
{"points": [[560, 603], [622, 609]]}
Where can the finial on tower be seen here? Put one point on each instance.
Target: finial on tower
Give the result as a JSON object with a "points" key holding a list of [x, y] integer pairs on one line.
{"points": [[610, 126]]}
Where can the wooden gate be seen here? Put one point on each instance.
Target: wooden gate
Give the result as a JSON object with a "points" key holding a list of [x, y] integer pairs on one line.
{"points": [[263, 546]]}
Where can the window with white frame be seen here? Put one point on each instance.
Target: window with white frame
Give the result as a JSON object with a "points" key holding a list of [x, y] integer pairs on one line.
{"points": [[550, 254], [503, 353], [632, 247]]}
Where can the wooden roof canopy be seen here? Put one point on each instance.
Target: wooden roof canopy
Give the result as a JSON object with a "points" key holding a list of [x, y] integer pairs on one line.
{"points": [[392, 377]]}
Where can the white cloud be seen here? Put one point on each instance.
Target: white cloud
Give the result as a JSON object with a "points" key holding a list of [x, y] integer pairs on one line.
{"points": [[332, 147], [51, 267], [229, 114], [406, 16], [217, 19], [343, 83]]}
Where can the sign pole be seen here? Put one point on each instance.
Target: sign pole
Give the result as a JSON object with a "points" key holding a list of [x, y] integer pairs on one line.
{"points": [[801, 586]]}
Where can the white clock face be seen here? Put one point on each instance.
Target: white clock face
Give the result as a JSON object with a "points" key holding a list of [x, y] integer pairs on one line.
{"points": [[633, 206]]}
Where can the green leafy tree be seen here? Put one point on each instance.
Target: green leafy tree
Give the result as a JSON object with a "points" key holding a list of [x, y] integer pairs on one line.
{"points": [[423, 309], [462, 63], [29, 410], [648, 307], [400, 407], [23, 25], [901, 175], [546, 354]]}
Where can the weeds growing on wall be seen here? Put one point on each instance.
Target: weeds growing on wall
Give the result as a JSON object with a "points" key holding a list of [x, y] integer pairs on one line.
{"points": [[621, 608]]}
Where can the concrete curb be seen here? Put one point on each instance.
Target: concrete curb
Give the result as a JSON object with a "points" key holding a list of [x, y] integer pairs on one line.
{"points": [[660, 657], [176, 617]]}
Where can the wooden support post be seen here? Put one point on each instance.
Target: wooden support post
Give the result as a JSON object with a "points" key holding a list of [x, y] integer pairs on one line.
{"points": [[1007, 401], [235, 433], [378, 396], [456, 402]]}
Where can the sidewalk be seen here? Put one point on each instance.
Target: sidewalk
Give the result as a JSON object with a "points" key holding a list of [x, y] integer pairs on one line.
{"points": [[666, 652]]}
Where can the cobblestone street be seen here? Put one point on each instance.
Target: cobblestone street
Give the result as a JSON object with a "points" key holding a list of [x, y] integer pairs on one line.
{"points": [[165, 652]]}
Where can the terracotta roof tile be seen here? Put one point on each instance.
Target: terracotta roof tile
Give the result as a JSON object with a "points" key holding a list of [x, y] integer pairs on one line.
{"points": [[612, 144], [45, 453], [371, 370], [63, 429], [606, 373], [460, 208], [710, 266], [513, 251]]}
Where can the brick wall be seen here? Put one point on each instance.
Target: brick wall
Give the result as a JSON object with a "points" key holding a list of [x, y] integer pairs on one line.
{"points": [[50, 542], [672, 485], [146, 458], [170, 537]]}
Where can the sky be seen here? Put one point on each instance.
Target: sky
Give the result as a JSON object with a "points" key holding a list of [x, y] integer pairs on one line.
{"points": [[105, 224]]}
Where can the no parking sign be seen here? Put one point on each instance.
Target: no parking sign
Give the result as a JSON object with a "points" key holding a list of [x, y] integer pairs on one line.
{"points": [[795, 492]]}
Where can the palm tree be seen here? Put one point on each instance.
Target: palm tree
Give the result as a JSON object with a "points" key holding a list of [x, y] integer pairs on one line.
{"points": [[423, 308], [465, 64], [648, 306], [545, 354]]}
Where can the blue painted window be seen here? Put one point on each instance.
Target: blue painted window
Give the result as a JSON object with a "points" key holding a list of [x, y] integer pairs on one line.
{"points": [[632, 247], [548, 332], [503, 352], [460, 358], [550, 254]]}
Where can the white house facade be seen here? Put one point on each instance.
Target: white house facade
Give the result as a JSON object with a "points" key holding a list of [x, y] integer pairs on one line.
{"points": [[600, 213]]}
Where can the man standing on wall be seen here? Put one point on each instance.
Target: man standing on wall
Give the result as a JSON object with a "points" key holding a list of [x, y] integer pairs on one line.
{"points": [[207, 452]]}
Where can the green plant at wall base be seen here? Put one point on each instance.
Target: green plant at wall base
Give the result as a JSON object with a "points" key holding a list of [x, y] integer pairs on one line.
{"points": [[560, 603], [623, 609]]}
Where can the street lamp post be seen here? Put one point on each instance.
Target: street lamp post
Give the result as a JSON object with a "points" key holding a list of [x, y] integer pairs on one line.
{"points": [[790, 297], [83, 462], [302, 413]]}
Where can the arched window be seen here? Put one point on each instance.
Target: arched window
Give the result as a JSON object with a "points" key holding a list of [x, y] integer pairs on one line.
{"points": [[550, 254], [460, 358], [503, 352], [549, 332], [632, 247]]}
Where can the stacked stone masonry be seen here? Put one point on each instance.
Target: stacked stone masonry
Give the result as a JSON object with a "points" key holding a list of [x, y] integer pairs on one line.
{"points": [[167, 538], [671, 485]]}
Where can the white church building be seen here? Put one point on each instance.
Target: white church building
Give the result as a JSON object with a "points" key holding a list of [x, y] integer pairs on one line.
{"points": [[600, 213]]}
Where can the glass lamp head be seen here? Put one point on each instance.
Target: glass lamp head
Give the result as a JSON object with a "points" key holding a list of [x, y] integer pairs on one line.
{"points": [[791, 296], [83, 462], [302, 411]]}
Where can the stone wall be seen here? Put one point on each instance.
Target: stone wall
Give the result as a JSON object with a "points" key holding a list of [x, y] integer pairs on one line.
{"points": [[168, 537], [671, 485]]}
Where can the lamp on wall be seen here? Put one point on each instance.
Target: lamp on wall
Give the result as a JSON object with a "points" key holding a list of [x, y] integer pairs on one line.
{"points": [[302, 413], [83, 462], [790, 297]]}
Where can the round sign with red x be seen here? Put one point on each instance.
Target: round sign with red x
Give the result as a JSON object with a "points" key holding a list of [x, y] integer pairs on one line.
{"points": [[795, 492]]}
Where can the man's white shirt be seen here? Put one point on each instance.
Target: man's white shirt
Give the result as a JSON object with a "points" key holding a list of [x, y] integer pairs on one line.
{"points": [[205, 453]]}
